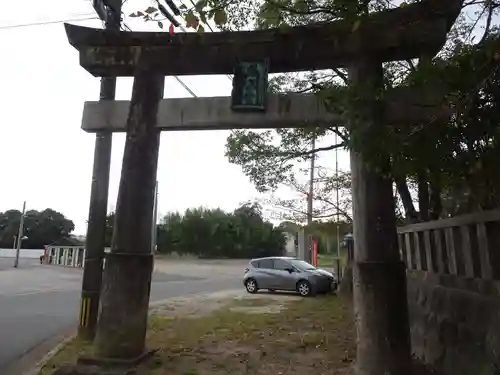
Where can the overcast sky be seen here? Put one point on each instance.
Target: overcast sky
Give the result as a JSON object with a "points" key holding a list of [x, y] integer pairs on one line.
{"points": [[46, 157]]}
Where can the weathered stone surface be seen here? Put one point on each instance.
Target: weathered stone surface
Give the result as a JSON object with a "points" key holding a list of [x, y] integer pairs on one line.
{"points": [[121, 329], [455, 323], [391, 35]]}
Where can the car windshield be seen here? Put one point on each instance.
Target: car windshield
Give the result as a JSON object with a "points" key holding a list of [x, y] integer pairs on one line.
{"points": [[302, 265]]}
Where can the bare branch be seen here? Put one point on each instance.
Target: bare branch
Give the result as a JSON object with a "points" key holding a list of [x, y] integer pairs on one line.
{"points": [[491, 9], [310, 152]]}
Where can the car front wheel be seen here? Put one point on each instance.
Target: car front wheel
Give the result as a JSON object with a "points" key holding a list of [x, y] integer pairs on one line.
{"points": [[251, 286], [304, 288]]}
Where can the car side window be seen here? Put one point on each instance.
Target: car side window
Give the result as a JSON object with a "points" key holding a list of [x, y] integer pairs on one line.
{"points": [[266, 263], [254, 264], [280, 264]]}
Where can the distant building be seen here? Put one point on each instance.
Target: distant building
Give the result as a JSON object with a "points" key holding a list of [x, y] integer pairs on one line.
{"points": [[66, 251], [79, 237]]}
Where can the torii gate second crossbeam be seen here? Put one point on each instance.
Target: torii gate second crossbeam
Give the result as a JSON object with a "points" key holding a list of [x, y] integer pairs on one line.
{"points": [[402, 106]]}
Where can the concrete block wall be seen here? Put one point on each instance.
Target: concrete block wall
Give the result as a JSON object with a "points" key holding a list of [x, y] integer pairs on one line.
{"points": [[23, 253], [455, 323], [453, 280]]}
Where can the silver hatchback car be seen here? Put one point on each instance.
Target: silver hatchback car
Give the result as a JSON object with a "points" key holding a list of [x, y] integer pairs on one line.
{"points": [[286, 273]]}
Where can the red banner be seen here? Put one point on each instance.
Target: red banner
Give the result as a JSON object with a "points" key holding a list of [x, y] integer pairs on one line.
{"points": [[315, 253]]}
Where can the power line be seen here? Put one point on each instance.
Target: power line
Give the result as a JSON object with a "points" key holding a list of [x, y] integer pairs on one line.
{"points": [[31, 24], [5, 27]]}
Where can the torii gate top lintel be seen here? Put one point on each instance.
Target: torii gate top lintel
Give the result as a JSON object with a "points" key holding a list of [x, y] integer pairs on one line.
{"points": [[396, 34]]}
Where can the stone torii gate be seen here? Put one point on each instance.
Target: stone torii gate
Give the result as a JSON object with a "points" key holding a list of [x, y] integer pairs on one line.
{"points": [[379, 276]]}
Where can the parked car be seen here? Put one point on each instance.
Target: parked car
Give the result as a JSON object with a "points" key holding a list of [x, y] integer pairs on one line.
{"points": [[287, 273]]}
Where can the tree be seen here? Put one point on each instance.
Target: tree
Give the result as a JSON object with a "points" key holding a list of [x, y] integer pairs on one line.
{"points": [[457, 172], [41, 227], [325, 185]]}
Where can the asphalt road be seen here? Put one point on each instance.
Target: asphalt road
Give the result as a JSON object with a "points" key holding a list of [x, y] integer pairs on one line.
{"points": [[38, 303]]}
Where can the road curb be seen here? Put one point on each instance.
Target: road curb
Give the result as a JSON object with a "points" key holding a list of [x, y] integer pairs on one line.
{"points": [[35, 370], [38, 367]]}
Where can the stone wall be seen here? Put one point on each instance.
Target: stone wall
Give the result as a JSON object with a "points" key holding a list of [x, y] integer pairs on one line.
{"points": [[455, 322], [24, 253]]}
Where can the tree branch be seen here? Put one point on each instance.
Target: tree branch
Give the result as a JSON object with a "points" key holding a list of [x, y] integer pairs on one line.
{"points": [[316, 10], [311, 152], [487, 27], [342, 75]]}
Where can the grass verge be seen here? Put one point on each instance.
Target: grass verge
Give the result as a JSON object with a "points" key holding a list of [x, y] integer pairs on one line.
{"points": [[305, 334], [329, 260]]}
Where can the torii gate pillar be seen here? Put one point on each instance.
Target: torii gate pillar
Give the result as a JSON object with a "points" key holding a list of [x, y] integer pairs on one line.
{"points": [[379, 276], [127, 277]]}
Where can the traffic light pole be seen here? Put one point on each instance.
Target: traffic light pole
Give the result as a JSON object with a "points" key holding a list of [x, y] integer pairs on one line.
{"points": [[95, 241]]}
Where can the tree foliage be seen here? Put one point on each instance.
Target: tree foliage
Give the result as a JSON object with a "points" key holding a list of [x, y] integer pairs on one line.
{"points": [[213, 233], [41, 227]]}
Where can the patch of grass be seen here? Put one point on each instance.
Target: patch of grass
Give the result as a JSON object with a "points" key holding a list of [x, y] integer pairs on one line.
{"points": [[311, 334]]}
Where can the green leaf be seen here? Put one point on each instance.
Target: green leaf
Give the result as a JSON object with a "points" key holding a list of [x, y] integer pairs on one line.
{"points": [[301, 5], [183, 7], [136, 14], [220, 17], [191, 20], [201, 29], [151, 10], [200, 5], [269, 16]]}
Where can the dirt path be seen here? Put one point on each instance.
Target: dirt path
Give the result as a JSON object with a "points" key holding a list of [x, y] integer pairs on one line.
{"points": [[203, 305]]}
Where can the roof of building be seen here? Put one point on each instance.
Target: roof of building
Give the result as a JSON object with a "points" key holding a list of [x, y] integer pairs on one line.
{"points": [[67, 241]]}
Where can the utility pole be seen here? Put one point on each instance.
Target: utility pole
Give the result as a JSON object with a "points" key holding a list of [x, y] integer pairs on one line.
{"points": [[20, 236], [308, 238], [339, 270], [110, 12], [311, 185], [154, 230]]}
